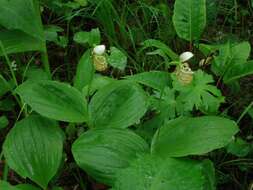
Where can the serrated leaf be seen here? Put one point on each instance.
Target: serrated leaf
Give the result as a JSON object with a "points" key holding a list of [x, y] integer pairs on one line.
{"points": [[102, 152], [33, 148], [154, 173], [117, 59], [54, 100], [189, 18], [119, 104], [193, 136], [199, 93], [154, 79]]}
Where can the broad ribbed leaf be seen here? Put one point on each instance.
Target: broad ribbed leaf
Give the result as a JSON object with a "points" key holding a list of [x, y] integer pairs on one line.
{"points": [[15, 41], [102, 152], [154, 173], [154, 79], [33, 148], [84, 72], [119, 104], [22, 15], [193, 136], [54, 100], [189, 18], [26, 187]]}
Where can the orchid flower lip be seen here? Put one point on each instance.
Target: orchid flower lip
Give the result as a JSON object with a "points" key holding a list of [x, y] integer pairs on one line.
{"points": [[185, 56], [99, 49]]}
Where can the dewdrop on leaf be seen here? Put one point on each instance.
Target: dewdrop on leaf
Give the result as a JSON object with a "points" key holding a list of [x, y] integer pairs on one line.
{"points": [[185, 56], [99, 50]]}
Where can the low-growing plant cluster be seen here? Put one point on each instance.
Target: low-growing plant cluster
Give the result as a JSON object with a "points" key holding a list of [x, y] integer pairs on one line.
{"points": [[151, 103]]}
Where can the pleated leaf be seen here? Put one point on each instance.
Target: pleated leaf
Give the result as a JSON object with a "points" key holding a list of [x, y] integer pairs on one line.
{"points": [[54, 100], [102, 152], [119, 104], [193, 136], [33, 149], [154, 173], [15, 41]]}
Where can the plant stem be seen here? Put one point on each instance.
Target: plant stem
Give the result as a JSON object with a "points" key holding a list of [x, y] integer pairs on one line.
{"points": [[8, 63], [45, 61], [5, 172]]}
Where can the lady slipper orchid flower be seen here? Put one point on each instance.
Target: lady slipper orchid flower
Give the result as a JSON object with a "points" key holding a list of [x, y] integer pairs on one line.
{"points": [[99, 58], [99, 50], [186, 56]]}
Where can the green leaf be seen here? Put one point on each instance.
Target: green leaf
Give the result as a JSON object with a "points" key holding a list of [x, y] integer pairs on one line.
{"points": [[154, 79], [26, 187], [239, 71], [5, 86], [16, 41], [6, 186], [82, 2], [117, 59], [92, 37], [7, 104], [22, 15], [98, 82], [33, 148], [189, 18], [119, 104], [154, 173], [231, 63], [209, 173], [239, 147], [54, 100], [199, 93], [35, 74], [3, 122], [84, 72], [160, 45], [193, 136], [103, 152]]}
